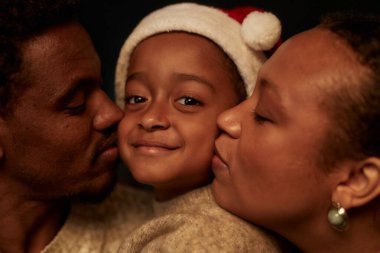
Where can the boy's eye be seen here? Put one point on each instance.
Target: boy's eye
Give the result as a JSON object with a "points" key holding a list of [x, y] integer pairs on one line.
{"points": [[135, 100], [189, 101]]}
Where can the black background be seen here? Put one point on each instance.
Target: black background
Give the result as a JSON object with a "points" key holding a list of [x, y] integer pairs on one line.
{"points": [[110, 21]]}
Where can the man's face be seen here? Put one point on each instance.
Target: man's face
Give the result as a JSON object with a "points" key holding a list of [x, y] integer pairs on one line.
{"points": [[58, 140], [267, 169]]}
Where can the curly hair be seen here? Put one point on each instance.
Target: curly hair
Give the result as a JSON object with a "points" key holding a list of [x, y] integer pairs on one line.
{"points": [[355, 112], [21, 20]]}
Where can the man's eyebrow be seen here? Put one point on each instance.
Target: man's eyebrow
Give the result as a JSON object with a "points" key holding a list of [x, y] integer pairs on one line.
{"points": [[78, 85]]}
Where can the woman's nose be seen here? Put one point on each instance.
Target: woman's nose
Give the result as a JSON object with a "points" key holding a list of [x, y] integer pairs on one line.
{"points": [[229, 121]]}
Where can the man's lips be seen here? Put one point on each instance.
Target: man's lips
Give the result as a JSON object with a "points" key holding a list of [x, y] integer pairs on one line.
{"points": [[111, 142]]}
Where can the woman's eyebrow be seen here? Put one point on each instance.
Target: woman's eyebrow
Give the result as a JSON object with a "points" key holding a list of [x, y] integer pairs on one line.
{"points": [[271, 94]]}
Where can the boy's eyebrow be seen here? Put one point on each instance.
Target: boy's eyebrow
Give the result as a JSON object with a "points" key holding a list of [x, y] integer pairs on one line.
{"points": [[179, 76], [183, 76], [134, 75]]}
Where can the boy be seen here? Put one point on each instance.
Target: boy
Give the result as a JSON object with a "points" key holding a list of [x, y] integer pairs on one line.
{"points": [[179, 69]]}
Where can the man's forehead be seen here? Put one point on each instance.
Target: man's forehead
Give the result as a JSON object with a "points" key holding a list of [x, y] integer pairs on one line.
{"points": [[66, 39], [55, 61]]}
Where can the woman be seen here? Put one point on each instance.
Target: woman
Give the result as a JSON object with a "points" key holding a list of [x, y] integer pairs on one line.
{"points": [[302, 155]]}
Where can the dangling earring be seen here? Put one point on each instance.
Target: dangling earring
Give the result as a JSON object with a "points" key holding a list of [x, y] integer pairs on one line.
{"points": [[337, 217]]}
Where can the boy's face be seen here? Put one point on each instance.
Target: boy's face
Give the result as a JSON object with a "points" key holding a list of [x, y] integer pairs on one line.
{"points": [[177, 85]]}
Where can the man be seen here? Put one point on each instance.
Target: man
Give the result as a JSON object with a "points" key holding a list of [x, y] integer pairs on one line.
{"points": [[57, 140]]}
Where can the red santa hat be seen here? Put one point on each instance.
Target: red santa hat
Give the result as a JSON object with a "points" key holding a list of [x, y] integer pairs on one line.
{"points": [[243, 33]]}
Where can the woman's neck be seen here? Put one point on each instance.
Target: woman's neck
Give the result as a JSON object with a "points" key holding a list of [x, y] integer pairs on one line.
{"points": [[362, 235]]}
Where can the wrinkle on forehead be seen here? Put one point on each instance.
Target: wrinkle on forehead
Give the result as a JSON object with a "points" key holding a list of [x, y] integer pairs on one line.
{"points": [[58, 57]]}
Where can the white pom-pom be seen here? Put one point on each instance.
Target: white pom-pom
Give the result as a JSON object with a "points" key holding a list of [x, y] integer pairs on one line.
{"points": [[261, 30]]}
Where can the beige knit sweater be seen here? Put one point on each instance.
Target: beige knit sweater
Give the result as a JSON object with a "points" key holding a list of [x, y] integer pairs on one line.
{"points": [[93, 228], [195, 223]]}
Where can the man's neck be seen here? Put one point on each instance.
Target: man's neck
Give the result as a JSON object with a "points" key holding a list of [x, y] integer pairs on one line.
{"points": [[28, 226]]}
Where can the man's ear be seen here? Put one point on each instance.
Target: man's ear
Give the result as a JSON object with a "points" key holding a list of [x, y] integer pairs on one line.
{"points": [[361, 186]]}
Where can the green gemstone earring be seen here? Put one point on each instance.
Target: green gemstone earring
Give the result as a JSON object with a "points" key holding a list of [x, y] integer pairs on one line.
{"points": [[337, 217]]}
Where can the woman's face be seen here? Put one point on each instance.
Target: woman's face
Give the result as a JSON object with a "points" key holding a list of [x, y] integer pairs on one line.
{"points": [[266, 167]]}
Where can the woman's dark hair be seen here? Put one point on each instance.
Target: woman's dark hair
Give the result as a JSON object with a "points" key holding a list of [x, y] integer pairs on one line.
{"points": [[355, 108]]}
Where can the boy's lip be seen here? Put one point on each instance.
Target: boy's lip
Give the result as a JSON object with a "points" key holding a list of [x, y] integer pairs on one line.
{"points": [[154, 144]]}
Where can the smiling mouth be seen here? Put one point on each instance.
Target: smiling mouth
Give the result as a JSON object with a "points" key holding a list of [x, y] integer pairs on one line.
{"points": [[154, 146]]}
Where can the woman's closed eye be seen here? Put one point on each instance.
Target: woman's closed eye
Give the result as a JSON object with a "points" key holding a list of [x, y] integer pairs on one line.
{"points": [[260, 118]]}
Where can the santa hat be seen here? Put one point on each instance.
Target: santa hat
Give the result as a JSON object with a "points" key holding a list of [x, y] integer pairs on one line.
{"points": [[242, 37]]}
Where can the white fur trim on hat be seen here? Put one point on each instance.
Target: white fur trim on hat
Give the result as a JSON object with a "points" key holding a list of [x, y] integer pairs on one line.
{"points": [[261, 30], [206, 21]]}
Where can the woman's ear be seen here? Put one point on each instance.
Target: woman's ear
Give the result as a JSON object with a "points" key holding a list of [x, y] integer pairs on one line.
{"points": [[361, 186]]}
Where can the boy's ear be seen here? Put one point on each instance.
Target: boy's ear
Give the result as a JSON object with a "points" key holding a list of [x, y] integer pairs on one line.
{"points": [[361, 186]]}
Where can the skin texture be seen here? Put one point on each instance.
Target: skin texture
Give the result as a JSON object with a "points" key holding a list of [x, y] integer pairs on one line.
{"points": [[177, 85], [58, 142], [266, 167]]}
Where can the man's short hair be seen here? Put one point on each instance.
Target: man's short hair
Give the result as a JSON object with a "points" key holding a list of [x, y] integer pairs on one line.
{"points": [[21, 20]]}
